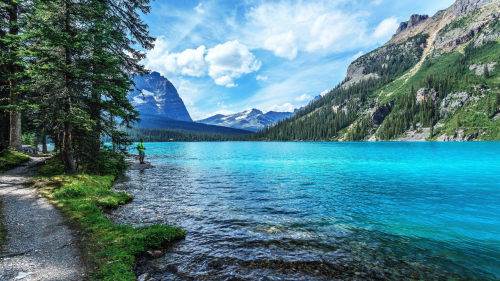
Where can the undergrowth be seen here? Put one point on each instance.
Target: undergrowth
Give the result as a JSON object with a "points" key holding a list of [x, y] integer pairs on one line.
{"points": [[10, 160], [83, 198]]}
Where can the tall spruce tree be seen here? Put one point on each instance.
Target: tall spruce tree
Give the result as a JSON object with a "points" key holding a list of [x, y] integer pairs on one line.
{"points": [[11, 66]]}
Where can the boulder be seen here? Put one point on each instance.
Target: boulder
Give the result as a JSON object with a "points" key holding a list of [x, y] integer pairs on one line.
{"points": [[144, 277], [155, 253]]}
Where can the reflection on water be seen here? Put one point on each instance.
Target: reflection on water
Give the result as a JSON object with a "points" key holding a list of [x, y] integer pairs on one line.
{"points": [[315, 211]]}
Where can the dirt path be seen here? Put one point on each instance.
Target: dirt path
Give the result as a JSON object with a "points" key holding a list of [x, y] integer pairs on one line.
{"points": [[36, 227]]}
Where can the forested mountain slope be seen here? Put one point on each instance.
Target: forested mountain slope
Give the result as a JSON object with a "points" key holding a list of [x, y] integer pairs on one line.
{"points": [[438, 78]]}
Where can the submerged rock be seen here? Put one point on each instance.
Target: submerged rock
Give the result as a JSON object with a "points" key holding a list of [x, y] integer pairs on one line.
{"points": [[155, 253], [135, 165]]}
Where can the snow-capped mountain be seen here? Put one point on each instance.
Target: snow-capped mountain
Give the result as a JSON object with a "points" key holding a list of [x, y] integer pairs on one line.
{"points": [[159, 97], [251, 119]]}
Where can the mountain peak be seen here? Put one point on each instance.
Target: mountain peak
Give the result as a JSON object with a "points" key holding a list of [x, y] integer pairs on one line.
{"points": [[251, 119], [157, 96], [412, 22]]}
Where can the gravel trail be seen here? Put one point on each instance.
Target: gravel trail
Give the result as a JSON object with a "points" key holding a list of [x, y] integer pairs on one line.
{"points": [[36, 227]]}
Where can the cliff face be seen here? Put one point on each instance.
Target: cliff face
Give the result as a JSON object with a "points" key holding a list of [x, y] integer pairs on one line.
{"points": [[158, 97], [465, 6], [414, 21]]}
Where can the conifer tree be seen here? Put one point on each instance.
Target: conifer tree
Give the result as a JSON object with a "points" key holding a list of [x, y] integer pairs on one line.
{"points": [[488, 105], [486, 73], [11, 60]]}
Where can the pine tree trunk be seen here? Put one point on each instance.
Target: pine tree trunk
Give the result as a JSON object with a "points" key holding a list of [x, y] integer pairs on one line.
{"points": [[44, 143], [15, 114]]}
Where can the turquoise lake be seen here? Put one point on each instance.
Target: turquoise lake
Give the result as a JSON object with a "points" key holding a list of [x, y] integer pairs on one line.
{"points": [[321, 211]]}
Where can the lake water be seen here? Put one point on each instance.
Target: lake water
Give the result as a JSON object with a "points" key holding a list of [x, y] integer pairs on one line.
{"points": [[321, 211]]}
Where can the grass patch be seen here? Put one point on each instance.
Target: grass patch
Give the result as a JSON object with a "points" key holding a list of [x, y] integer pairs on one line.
{"points": [[9, 160], [83, 198]]}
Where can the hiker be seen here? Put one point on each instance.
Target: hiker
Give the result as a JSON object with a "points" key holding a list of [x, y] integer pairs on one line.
{"points": [[142, 154]]}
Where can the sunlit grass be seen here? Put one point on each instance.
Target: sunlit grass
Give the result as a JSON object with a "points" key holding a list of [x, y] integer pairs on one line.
{"points": [[82, 198], [10, 160]]}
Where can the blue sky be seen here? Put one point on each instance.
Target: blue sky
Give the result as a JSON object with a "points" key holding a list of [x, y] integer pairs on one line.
{"points": [[228, 56]]}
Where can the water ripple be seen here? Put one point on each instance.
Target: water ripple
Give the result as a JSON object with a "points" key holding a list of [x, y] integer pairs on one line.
{"points": [[321, 211]]}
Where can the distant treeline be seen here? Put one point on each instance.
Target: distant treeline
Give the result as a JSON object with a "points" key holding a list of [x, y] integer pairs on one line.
{"points": [[166, 135]]}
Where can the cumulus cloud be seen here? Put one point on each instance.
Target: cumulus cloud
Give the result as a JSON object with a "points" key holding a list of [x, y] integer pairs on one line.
{"points": [[386, 28], [190, 62], [304, 97], [261, 78], [287, 27], [283, 45], [224, 62], [325, 92], [287, 107], [225, 81], [198, 9], [230, 60]]}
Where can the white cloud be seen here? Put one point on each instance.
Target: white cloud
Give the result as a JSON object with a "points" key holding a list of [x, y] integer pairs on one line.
{"points": [[198, 9], [223, 62], [287, 27], [190, 62], [325, 92], [377, 2], [359, 54], [287, 107], [304, 97], [223, 105], [282, 45], [386, 28], [261, 78], [228, 61], [225, 81]]}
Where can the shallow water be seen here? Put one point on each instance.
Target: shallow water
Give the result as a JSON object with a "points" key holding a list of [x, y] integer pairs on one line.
{"points": [[321, 211]]}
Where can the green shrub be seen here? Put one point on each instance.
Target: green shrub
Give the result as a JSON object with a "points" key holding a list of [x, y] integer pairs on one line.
{"points": [[52, 167]]}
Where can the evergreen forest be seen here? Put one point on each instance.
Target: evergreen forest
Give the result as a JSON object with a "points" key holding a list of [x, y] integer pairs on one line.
{"points": [[66, 69]]}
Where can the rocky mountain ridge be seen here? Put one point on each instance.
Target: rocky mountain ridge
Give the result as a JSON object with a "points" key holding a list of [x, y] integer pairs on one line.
{"points": [[251, 119]]}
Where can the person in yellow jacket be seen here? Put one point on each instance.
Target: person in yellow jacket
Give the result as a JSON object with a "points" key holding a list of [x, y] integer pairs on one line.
{"points": [[141, 149]]}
